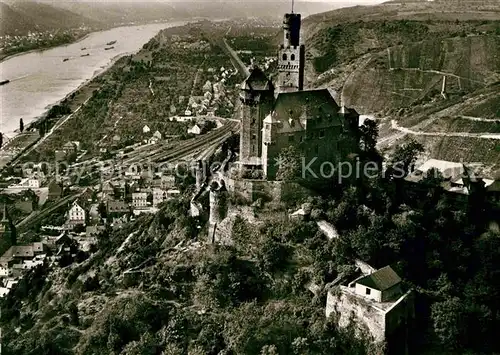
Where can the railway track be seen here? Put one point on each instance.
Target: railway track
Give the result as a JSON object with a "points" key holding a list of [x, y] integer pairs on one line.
{"points": [[216, 138], [22, 225], [161, 153], [182, 150]]}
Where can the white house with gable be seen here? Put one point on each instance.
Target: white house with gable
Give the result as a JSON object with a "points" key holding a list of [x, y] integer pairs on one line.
{"points": [[76, 215], [194, 130]]}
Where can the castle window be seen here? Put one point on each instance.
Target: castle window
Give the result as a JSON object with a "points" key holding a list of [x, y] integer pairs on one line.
{"points": [[291, 139], [284, 56], [301, 139], [268, 126], [254, 136], [287, 35], [322, 133], [292, 57], [368, 291]]}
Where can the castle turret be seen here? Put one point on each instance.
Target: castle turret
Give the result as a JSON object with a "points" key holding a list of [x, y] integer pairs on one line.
{"points": [[218, 207], [257, 97], [7, 229], [291, 29], [217, 201], [200, 173], [291, 56]]}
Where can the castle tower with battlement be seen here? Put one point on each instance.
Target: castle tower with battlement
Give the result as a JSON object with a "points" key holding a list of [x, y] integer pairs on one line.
{"points": [[291, 56], [277, 116]]}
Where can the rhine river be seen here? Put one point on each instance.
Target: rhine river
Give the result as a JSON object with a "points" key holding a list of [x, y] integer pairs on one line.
{"points": [[40, 79]]}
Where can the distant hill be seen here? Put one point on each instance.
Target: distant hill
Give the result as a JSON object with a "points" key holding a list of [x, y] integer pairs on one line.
{"points": [[21, 17], [113, 13], [151, 11], [392, 61]]}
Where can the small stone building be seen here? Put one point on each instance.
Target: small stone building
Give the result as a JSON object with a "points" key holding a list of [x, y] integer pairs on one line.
{"points": [[377, 304]]}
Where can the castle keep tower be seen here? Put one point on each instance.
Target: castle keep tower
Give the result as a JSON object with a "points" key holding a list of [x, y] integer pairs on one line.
{"points": [[291, 56], [257, 98]]}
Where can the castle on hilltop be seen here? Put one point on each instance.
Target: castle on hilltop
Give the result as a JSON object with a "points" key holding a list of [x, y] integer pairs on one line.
{"points": [[277, 116]]}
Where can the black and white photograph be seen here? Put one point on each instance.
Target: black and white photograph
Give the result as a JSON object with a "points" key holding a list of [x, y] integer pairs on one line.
{"points": [[260, 177]]}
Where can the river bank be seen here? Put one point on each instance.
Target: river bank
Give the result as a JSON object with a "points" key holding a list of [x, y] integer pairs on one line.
{"points": [[18, 145], [79, 39], [42, 79], [34, 50]]}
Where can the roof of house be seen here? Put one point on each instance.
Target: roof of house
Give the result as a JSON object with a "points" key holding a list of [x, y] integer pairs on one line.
{"points": [[299, 110], [22, 251], [449, 169], [76, 205], [137, 195], [257, 80], [62, 238], [69, 145], [460, 181], [37, 246], [116, 203], [107, 186], [194, 128], [381, 279]]}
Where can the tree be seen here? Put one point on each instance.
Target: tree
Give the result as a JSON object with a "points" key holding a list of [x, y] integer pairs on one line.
{"points": [[369, 135], [272, 255], [72, 157], [101, 208], [448, 321], [42, 128], [404, 157], [79, 228], [289, 161], [432, 182], [269, 350], [21, 125]]}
